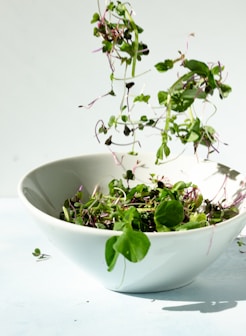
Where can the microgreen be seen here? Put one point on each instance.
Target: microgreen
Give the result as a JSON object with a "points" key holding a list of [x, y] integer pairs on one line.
{"points": [[133, 211], [241, 244], [39, 255], [157, 206], [175, 117]]}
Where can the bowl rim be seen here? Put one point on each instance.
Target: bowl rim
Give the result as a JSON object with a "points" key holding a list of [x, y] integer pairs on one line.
{"points": [[59, 222]]}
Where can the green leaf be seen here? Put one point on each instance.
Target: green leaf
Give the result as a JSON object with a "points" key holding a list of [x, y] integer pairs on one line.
{"points": [[115, 185], [36, 252], [139, 29], [142, 98], [191, 225], [112, 121], [200, 68], [107, 46], [128, 48], [144, 118], [151, 122], [162, 97], [119, 226], [211, 80], [179, 103], [162, 151], [180, 185], [166, 150], [129, 175], [195, 131], [217, 69], [198, 217], [195, 125], [102, 129], [124, 118], [140, 126], [95, 18], [133, 245], [111, 255], [193, 94], [111, 6], [169, 214], [224, 90], [193, 137], [121, 9], [164, 66]]}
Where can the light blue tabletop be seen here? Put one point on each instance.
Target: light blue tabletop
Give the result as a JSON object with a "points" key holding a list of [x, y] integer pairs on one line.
{"points": [[53, 297]]}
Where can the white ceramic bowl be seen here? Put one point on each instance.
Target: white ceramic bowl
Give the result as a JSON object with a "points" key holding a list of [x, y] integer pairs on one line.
{"points": [[174, 258]]}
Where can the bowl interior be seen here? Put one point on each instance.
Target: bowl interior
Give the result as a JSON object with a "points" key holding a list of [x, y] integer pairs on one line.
{"points": [[48, 186]]}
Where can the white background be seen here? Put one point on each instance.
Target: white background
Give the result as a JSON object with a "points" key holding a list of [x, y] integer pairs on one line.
{"points": [[47, 69]]}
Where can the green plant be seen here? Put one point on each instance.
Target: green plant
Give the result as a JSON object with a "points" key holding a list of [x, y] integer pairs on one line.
{"points": [[160, 207], [39, 255], [175, 115]]}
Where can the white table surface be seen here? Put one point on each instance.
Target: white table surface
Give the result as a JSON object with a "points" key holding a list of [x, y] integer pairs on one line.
{"points": [[53, 297]]}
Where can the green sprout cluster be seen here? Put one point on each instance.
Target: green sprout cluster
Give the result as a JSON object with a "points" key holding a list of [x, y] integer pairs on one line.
{"points": [[175, 116], [161, 207]]}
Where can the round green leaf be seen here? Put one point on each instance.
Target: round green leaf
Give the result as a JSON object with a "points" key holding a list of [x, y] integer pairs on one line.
{"points": [[133, 245], [169, 214]]}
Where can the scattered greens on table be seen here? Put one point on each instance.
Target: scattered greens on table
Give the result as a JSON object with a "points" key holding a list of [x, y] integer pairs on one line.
{"points": [[39, 255]]}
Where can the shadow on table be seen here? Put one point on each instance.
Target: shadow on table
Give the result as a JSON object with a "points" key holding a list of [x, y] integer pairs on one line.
{"points": [[204, 295], [218, 288]]}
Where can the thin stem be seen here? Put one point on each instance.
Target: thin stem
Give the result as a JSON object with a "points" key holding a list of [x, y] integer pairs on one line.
{"points": [[190, 114], [168, 113], [136, 42], [124, 90]]}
